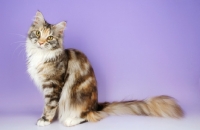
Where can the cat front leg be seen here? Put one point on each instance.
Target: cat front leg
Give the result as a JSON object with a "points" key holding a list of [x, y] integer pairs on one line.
{"points": [[51, 94], [47, 117]]}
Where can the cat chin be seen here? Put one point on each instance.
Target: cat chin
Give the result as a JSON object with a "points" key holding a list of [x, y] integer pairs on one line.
{"points": [[39, 47]]}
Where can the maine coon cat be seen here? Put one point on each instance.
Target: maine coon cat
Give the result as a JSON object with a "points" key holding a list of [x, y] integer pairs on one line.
{"points": [[68, 83]]}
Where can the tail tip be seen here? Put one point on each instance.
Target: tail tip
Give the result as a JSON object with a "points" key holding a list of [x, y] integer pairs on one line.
{"points": [[165, 106]]}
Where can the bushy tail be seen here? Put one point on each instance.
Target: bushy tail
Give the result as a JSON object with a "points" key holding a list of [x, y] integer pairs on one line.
{"points": [[161, 106]]}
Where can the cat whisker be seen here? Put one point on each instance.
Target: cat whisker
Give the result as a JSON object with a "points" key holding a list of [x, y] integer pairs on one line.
{"points": [[21, 51], [19, 46], [22, 36], [18, 42]]}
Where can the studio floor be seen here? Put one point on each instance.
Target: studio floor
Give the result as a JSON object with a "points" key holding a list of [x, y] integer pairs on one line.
{"points": [[27, 121]]}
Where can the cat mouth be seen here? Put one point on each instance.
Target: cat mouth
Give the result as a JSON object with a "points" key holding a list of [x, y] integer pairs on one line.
{"points": [[39, 46]]}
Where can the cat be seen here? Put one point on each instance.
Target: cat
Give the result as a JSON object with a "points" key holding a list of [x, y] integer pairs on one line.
{"points": [[67, 81]]}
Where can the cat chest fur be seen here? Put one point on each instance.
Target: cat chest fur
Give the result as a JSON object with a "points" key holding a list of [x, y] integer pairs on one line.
{"points": [[43, 71]]}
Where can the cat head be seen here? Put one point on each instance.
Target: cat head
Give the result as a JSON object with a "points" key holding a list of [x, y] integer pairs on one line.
{"points": [[44, 35]]}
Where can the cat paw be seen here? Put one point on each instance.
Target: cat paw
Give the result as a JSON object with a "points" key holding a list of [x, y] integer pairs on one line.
{"points": [[73, 121], [42, 122]]}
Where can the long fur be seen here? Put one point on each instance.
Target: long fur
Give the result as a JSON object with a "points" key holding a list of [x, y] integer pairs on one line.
{"points": [[67, 81], [160, 106]]}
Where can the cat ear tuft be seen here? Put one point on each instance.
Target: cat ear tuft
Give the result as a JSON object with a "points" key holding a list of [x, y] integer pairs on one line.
{"points": [[39, 19], [60, 27]]}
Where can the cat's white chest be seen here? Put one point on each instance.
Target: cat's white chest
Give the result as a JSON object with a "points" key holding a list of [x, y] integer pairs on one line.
{"points": [[36, 58], [35, 61]]}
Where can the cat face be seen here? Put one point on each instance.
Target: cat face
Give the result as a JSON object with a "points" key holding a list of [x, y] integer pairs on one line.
{"points": [[44, 35]]}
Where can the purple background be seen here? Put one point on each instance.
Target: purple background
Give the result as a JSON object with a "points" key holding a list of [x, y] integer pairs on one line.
{"points": [[138, 49]]}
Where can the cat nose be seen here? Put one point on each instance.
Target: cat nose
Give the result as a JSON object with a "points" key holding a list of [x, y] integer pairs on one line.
{"points": [[41, 42]]}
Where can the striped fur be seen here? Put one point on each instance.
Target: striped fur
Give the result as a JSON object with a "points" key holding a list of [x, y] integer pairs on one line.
{"points": [[160, 106], [68, 83]]}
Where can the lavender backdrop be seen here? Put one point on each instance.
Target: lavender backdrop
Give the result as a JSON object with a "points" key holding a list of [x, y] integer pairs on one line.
{"points": [[137, 48]]}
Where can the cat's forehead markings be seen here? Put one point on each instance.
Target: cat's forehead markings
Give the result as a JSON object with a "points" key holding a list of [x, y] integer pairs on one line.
{"points": [[45, 31]]}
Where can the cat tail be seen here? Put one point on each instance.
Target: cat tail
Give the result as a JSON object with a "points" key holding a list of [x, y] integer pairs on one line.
{"points": [[160, 106]]}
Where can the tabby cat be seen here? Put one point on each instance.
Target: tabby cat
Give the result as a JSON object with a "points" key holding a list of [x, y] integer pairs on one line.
{"points": [[68, 82]]}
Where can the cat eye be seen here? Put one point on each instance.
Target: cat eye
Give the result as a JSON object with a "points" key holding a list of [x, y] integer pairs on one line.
{"points": [[38, 33], [50, 38]]}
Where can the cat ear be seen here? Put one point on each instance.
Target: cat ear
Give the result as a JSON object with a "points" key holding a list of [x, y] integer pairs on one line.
{"points": [[39, 19], [60, 27]]}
